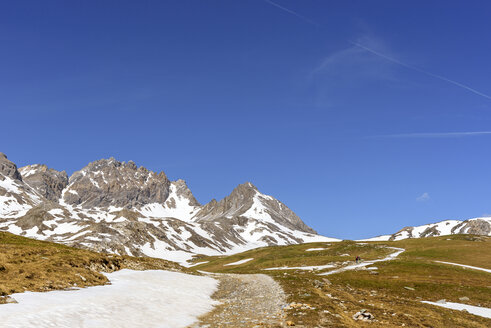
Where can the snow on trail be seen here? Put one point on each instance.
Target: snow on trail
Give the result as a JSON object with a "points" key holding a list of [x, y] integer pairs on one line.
{"points": [[476, 310], [152, 298], [314, 267], [465, 266], [366, 263], [239, 262]]}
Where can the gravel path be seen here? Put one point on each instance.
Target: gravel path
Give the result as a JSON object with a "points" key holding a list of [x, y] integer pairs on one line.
{"points": [[247, 300]]}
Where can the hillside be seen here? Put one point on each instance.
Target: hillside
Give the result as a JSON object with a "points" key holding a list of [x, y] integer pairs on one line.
{"points": [[31, 265], [392, 290]]}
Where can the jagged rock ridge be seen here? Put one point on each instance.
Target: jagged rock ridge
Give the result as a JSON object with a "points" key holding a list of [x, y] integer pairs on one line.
{"points": [[114, 206]]}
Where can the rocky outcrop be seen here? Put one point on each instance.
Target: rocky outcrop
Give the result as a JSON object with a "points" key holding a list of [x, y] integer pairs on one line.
{"points": [[47, 182], [363, 315], [476, 226], [8, 169]]}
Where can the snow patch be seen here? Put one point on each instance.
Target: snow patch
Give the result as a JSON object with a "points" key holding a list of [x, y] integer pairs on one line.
{"points": [[239, 262], [465, 266], [378, 238], [476, 310], [134, 299], [310, 268]]}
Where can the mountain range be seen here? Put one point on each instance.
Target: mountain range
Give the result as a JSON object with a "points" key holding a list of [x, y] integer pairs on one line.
{"points": [[118, 207]]}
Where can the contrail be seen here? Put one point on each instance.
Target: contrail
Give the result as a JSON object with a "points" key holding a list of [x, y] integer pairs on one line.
{"points": [[293, 13], [414, 68], [466, 87], [434, 135]]}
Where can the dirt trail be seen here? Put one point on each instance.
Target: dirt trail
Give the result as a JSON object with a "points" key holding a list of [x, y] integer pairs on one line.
{"points": [[247, 300]]}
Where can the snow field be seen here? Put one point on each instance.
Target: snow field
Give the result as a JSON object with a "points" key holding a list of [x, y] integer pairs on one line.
{"points": [[153, 298], [476, 310]]}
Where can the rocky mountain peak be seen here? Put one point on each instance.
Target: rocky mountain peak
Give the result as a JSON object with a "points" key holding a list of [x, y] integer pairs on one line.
{"points": [[238, 202], [242, 192], [49, 183], [246, 201], [246, 186], [108, 182], [8, 168], [182, 190]]}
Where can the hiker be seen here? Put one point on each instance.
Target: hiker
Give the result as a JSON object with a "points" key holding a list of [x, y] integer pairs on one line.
{"points": [[357, 259]]}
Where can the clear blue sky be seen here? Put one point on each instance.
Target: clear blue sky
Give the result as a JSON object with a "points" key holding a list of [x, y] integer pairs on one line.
{"points": [[353, 113]]}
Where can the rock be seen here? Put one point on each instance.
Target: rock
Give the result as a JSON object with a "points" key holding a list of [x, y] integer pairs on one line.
{"points": [[408, 288], [443, 301], [464, 299], [290, 323], [81, 277], [8, 168], [302, 306], [9, 299], [363, 315], [327, 281]]}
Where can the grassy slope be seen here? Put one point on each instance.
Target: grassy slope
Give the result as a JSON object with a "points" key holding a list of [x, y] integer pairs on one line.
{"points": [[382, 294], [28, 264]]}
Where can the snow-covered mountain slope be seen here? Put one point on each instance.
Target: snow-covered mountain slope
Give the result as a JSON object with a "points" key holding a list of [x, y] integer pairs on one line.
{"points": [[16, 198], [117, 207], [475, 226]]}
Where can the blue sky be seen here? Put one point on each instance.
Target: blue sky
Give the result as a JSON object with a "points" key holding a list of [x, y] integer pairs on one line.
{"points": [[353, 113]]}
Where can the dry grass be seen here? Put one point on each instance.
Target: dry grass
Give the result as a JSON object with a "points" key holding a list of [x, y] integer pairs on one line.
{"points": [[383, 294], [294, 255], [32, 265]]}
